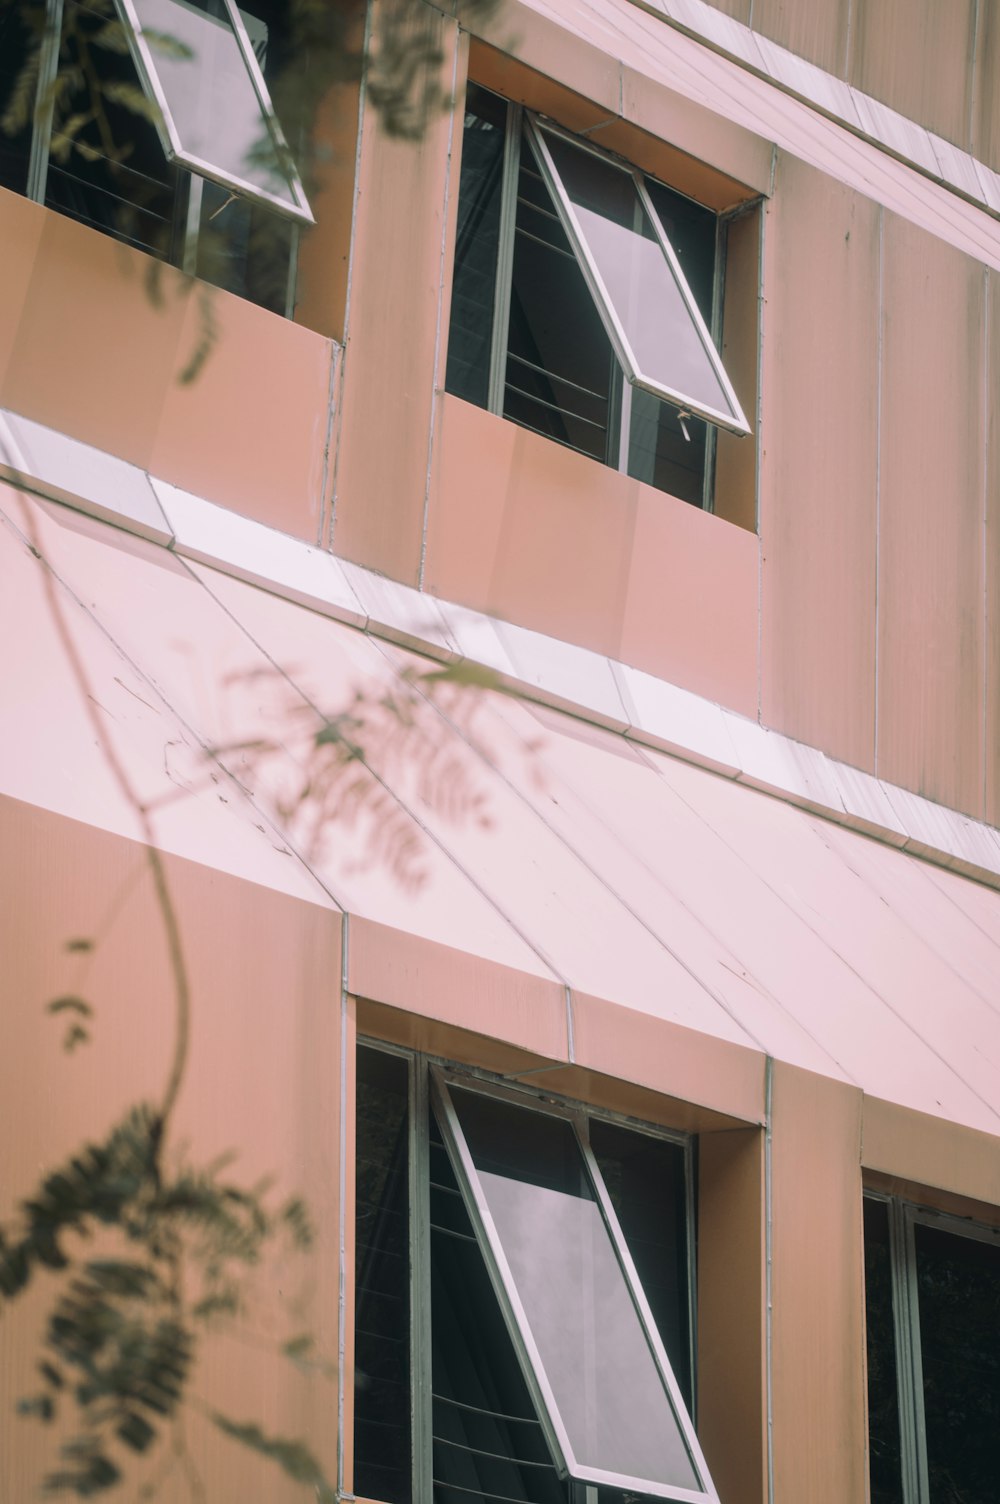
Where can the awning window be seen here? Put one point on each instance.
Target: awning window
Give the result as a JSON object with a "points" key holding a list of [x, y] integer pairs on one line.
{"points": [[214, 114], [587, 1342], [635, 279]]}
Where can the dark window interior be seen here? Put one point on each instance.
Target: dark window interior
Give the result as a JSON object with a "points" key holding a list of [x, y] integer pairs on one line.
{"points": [[382, 1467], [958, 1291], [108, 170], [883, 1407], [561, 376]]}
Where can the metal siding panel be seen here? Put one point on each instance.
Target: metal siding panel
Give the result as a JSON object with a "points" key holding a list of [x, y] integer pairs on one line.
{"points": [[819, 439], [260, 1080], [986, 87], [817, 31], [992, 555], [915, 55], [817, 1290], [392, 330], [930, 575]]}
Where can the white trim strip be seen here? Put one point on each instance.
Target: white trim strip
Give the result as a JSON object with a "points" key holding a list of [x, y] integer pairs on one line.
{"points": [[594, 688], [861, 114]]}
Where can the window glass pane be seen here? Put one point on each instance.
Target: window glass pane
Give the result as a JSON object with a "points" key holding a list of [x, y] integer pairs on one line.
{"points": [[646, 1182], [883, 1404], [642, 286], [477, 241], [20, 31], [488, 1440], [210, 95], [958, 1284], [576, 1304], [382, 1273], [660, 454], [115, 179], [559, 360], [691, 231]]}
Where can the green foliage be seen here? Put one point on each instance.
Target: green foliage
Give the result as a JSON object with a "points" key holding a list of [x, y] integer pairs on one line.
{"points": [[123, 1328]]}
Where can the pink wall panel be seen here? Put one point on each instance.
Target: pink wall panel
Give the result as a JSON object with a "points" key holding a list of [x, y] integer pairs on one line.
{"points": [[534, 533], [817, 31], [264, 1046], [930, 573], [992, 553], [392, 332], [916, 55], [818, 481]]}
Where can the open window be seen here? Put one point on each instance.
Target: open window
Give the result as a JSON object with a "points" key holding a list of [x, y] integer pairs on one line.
{"points": [[211, 105], [587, 301], [523, 1302], [153, 123]]}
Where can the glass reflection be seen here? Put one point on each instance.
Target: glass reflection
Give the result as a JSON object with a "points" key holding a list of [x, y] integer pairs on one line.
{"points": [[642, 286], [570, 1285], [210, 94]]}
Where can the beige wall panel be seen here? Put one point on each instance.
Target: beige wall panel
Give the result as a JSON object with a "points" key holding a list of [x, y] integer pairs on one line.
{"points": [[731, 1305], [986, 86], [393, 324], [260, 1080], [706, 135], [668, 1058], [549, 69], [930, 1151], [551, 540], [250, 432], [86, 349], [818, 466], [21, 226], [817, 30], [736, 455], [930, 584], [819, 1407], [992, 552], [916, 55], [452, 987], [738, 9]]}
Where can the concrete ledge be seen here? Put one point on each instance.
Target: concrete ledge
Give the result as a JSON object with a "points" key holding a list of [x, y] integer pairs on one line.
{"points": [[559, 674]]}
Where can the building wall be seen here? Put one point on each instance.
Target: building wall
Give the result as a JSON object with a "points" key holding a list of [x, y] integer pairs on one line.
{"points": [[845, 592], [932, 60]]}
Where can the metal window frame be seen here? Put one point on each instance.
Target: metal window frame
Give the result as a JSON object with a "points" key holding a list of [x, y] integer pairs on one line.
{"points": [[733, 421], [297, 209], [903, 1218], [442, 1080]]}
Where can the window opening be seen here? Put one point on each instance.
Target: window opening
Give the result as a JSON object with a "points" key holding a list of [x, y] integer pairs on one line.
{"points": [[214, 114], [479, 1431], [593, 288], [231, 214], [933, 1335]]}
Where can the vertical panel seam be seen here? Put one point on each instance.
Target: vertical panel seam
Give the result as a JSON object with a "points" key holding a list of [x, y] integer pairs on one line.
{"points": [[439, 322], [342, 1193], [848, 38], [768, 1275], [985, 452], [879, 372], [971, 65], [349, 287], [759, 416], [327, 446]]}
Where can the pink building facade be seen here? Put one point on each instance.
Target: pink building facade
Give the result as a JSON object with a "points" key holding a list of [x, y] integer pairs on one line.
{"points": [[696, 842]]}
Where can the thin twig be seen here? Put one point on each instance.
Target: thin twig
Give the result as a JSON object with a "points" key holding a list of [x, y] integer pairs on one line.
{"points": [[154, 858]]}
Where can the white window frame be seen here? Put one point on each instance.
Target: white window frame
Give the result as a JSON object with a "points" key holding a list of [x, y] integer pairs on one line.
{"points": [[735, 420], [426, 1074], [297, 207]]}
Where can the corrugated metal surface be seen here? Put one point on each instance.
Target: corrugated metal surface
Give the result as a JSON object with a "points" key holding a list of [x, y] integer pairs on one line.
{"points": [[621, 872]]}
